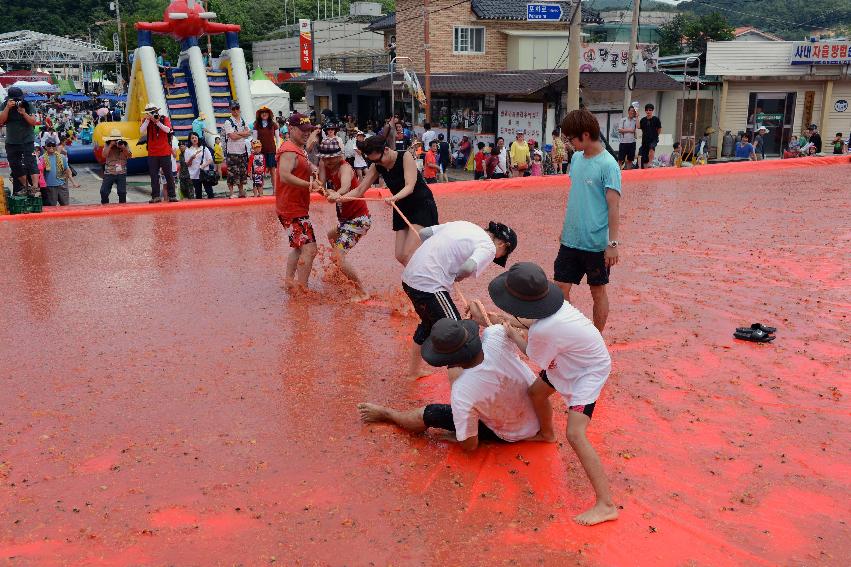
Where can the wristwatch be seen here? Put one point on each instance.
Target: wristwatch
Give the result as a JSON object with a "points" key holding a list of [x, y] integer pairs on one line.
{"points": [[613, 243]]}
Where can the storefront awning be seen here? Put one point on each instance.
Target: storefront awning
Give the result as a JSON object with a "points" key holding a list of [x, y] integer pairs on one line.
{"points": [[529, 83]]}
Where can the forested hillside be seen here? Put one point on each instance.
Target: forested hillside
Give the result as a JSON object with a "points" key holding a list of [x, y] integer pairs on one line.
{"points": [[791, 19]]}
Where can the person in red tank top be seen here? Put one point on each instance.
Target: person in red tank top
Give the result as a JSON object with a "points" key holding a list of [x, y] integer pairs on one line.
{"points": [[292, 198], [352, 216]]}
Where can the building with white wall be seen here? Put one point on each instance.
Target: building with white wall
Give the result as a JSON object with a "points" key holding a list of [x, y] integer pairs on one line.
{"points": [[784, 86]]}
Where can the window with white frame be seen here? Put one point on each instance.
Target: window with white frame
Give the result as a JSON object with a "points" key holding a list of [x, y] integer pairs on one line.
{"points": [[469, 40]]}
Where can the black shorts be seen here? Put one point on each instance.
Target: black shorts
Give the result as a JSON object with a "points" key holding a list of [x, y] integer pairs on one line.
{"points": [[422, 212], [431, 307], [439, 416], [22, 159], [587, 409], [571, 264], [644, 151], [626, 151]]}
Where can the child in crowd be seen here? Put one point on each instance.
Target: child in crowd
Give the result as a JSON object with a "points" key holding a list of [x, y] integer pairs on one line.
{"points": [[676, 156], [359, 163], [537, 168], [257, 168], [184, 178], [218, 155], [41, 182], [838, 144], [570, 349], [480, 159], [430, 166]]}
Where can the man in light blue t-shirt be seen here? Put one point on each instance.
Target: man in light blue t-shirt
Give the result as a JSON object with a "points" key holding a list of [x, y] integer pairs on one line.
{"points": [[589, 239]]}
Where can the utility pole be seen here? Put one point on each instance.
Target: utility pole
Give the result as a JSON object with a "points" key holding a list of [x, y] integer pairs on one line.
{"points": [[209, 37], [573, 47], [427, 54], [630, 65]]}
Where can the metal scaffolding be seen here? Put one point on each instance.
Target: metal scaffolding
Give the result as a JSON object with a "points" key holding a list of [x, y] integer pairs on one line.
{"points": [[42, 49]]}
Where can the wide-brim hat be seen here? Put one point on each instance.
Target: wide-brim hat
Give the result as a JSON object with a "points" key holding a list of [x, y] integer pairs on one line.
{"points": [[524, 291], [452, 342], [114, 136], [330, 147], [151, 107]]}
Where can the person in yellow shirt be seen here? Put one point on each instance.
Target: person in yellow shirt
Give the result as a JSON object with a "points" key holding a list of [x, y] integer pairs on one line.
{"points": [[519, 155], [218, 155]]}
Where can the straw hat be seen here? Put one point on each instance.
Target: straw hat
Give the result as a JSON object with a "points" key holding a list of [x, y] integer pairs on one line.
{"points": [[114, 136], [151, 107]]}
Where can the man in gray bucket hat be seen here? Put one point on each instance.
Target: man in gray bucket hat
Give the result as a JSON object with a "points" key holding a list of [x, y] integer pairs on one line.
{"points": [[489, 399], [576, 363]]}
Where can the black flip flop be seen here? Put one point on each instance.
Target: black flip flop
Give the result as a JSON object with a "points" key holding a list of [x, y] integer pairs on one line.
{"points": [[757, 327], [753, 335]]}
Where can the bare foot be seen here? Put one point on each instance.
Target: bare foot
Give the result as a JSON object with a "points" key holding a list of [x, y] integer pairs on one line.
{"points": [[371, 413], [546, 437], [597, 515], [359, 297]]}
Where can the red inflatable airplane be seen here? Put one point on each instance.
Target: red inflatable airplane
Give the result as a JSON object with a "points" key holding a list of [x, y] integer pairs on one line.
{"points": [[183, 19]]}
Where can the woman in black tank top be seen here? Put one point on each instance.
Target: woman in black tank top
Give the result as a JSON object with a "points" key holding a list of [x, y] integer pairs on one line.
{"points": [[410, 191]]}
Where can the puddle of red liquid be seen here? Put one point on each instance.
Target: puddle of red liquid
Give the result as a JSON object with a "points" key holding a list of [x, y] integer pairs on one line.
{"points": [[165, 401]]}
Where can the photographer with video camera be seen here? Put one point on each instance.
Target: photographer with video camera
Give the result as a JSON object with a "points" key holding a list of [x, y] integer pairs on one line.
{"points": [[20, 140], [158, 130], [116, 152]]}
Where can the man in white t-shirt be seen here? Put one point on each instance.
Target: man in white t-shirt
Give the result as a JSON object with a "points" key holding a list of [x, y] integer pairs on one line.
{"points": [[489, 399], [449, 252], [237, 135], [428, 135], [560, 339]]}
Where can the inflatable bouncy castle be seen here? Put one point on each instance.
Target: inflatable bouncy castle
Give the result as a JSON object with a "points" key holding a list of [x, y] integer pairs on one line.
{"points": [[188, 90]]}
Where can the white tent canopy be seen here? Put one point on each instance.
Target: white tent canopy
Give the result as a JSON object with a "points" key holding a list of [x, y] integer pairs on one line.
{"points": [[266, 93], [36, 87]]}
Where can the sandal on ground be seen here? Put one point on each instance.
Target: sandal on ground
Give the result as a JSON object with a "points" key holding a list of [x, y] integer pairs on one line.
{"points": [[758, 327], [754, 336]]}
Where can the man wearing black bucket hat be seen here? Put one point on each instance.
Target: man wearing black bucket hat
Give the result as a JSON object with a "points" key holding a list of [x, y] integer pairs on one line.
{"points": [[449, 252], [489, 399], [576, 363]]}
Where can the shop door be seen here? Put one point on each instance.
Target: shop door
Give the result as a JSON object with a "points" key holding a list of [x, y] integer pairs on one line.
{"points": [[774, 111]]}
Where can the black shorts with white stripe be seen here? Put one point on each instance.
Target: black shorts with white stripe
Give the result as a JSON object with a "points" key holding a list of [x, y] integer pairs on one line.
{"points": [[431, 307]]}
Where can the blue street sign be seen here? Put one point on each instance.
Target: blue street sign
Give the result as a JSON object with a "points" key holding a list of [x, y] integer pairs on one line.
{"points": [[543, 12]]}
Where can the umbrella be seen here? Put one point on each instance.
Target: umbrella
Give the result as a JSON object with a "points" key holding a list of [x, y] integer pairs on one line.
{"points": [[75, 97], [114, 97], [32, 97]]}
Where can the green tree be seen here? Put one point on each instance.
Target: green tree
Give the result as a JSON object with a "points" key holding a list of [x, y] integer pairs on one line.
{"points": [[687, 33]]}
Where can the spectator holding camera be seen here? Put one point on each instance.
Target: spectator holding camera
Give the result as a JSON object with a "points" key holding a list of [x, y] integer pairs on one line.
{"points": [[116, 153], [158, 130], [20, 140]]}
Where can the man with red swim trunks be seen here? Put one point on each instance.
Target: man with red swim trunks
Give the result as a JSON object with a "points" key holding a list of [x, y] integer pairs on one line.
{"points": [[292, 199]]}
